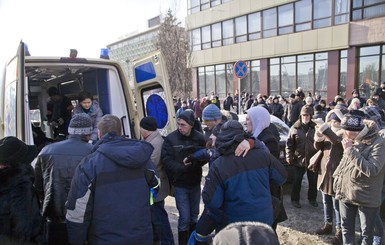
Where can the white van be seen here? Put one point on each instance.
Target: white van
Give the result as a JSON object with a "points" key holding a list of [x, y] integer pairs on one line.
{"points": [[24, 97]]}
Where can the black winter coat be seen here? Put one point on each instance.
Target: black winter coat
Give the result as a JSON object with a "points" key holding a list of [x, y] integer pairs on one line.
{"points": [[175, 148], [54, 169], [19, 207]]}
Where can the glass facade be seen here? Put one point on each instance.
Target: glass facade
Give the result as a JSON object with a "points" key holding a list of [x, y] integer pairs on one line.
{"points": [[370, 69], [343, 72], [195, 6], [220, 79], [308, 71], [367, 9], [293, 17]]}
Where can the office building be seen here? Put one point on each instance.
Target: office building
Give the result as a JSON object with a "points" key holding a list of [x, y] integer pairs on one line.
{"points": [[327, 47]]}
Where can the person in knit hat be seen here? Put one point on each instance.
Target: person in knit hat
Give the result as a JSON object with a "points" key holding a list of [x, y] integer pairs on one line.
{"points": [[211, 116], [185, 177], [159, 217], [359, 178], [299, 150], [60, 160]]}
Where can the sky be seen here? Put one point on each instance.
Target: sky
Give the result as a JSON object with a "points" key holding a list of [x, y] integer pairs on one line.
{"points": [[53, 27]]}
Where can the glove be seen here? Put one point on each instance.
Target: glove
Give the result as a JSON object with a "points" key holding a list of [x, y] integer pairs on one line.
{"points": [[290, 161], [318, 121]]}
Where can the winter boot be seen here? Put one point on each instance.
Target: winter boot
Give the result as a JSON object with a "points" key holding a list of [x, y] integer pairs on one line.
{"points": [[326, 229], [183, 237], [337, 239]]}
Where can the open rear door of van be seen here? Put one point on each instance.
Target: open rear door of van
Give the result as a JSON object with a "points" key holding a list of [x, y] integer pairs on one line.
{"points": [[16, 111], [153, 92]]}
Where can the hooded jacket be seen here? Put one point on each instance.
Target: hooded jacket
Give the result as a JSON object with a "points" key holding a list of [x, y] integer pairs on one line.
{"points": [[359, 177], [109, 200], [238, 186]]}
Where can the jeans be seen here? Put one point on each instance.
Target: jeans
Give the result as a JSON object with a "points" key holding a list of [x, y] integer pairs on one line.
{"points": [[161, 224], [379, 226], [297, 183], [348, 215], [330, 204], [187, 202]]}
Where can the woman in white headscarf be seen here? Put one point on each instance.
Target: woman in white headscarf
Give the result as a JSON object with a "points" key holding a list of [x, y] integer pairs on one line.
{"points": [[258, 124]]}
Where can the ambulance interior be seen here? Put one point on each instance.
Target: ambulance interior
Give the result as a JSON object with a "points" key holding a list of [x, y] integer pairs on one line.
{"points": [[103, 82]]}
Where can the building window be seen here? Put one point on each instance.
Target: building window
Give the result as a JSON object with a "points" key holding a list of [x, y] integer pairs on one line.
{"points": [[285, 19], [288, 76], [322, 10], [343, 72], [274, 76], [195, 6], [228, 32], [269, 22], [341, 11], [240, 29], [196, 39], [215, 2], [205, 4], [303, 15], [368, 9], [206, 37], [216, 35], [229, 78], [383, 64], [220, 81], [321, 73], [201, 82], [254, 25], [369, 70], [255, 80], [210, 79], [305, 72]]}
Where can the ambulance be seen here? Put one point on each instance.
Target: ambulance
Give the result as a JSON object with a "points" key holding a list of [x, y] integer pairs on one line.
{"points": [[26, 79]]}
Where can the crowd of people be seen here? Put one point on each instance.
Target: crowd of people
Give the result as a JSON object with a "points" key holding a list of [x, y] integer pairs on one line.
{"points": [[99, 187]]}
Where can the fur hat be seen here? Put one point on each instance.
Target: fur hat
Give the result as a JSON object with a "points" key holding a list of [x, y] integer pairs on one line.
{"points": [[307, 110], [211, 113], [80, 124], [188, 116], [148, 123], [353, 120], [13, 150]]}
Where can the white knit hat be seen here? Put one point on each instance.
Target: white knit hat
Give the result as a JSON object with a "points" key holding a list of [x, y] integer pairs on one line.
{"points": [[80, 124]]}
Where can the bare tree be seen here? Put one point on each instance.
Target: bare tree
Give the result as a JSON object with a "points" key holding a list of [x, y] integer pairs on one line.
{"points": [[174, 42]]}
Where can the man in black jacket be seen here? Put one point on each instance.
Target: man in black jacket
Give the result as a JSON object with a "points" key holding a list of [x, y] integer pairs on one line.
{"points": [[299, 150], [54, 169], [185, 178]]}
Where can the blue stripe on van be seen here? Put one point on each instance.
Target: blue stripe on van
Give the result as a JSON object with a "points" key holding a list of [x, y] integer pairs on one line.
{"points": [[144, 72]]}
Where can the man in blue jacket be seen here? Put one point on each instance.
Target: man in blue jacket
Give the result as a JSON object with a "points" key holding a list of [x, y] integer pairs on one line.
{"points": [[109, 200]]}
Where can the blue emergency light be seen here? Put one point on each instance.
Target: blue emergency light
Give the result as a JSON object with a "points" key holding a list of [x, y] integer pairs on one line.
{"points": [[104, 54]]}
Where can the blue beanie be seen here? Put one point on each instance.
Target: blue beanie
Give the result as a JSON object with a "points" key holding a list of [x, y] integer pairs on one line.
{"points": [[211, 113]]}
